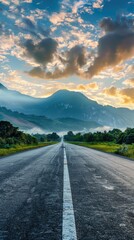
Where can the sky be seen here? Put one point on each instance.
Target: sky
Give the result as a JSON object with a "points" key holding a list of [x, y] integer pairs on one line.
{"points": [[79, 45]]}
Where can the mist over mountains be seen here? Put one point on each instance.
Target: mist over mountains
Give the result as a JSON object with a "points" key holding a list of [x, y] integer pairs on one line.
{"points": [[15, 100], [63, 111], [39, 124]]}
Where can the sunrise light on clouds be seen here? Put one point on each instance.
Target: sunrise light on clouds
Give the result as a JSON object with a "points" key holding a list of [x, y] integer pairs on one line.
{"points": [[83, 45]]}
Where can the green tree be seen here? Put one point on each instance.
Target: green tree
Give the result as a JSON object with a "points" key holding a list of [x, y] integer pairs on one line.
{"points": [[130, 138], [7, 129]]}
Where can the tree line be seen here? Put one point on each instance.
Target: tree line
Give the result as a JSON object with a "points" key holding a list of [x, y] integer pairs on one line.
{"points": [[51, 137], [115, 135], [10, 135]]}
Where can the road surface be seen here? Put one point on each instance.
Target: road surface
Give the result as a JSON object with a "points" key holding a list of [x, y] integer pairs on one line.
{"points": [[66, 192]]}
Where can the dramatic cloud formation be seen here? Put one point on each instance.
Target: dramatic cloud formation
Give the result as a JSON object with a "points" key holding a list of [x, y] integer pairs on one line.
{"points": [[61, 40], [114, 47], [126, 95], [42, 52], [122, 24], [73, 60]]}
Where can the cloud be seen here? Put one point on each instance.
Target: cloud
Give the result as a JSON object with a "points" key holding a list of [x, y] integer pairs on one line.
{"points": [[82, 37], [119, 25], [11, 79], [98, 4], [16, 2], [44, 32], [7, 43], [129, 82], [28, 1], [67, 16], [118, 68], [86, 87], [57, 18], [31, 26], [125, 95], [6, 2], [114, 47], [73, 59], [29, 23], [112, 91], [131, 69], [76, 6], [64, 55], [53, 86], [37, 72], [42, 52]]}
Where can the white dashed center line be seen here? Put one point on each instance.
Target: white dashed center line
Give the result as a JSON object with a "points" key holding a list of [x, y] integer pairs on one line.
{"points": [[68, 226]]}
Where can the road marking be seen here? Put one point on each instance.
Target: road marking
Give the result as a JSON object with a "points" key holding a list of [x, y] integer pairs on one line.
{"points": [[68, 227]]}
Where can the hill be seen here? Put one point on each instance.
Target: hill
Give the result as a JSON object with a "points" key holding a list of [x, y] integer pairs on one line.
{"points": [[42, 124]]}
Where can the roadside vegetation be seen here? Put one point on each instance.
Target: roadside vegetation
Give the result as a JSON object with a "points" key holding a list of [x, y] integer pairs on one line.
{"points": [[13, 140], [114, 141]]}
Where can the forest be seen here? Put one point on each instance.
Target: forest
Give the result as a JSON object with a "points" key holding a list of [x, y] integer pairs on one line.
{"points": [[11, 136], [115, 135]]}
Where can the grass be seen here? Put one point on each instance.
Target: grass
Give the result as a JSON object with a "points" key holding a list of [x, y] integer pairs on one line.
{"points": [[109, 147], [22, 147]]}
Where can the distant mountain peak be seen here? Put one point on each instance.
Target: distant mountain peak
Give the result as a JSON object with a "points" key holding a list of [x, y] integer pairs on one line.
{"points": [[2, 87], [67, 104], [71, 96], [68, 92]]}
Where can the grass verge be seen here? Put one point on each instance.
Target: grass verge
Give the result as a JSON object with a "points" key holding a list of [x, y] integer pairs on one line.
{"points": [[123, 150], [23, 147]]}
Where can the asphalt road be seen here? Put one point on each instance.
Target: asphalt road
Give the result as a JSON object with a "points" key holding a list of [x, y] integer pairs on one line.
{"points": [[71, 193]]}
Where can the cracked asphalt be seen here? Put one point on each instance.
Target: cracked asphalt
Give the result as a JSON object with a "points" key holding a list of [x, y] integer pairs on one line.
{"points": [[31, 194]]}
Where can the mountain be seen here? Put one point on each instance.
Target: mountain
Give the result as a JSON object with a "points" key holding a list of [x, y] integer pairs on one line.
{"points": [[43, 124], [69, 104], [15, 100], [66, 104], [2, 87]]}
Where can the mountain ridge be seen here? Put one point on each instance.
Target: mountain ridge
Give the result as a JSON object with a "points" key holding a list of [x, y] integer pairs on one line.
{"points": [[2, 87], [69, 104], [38, 124]]}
